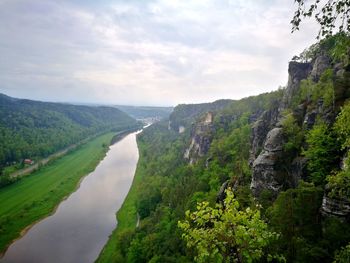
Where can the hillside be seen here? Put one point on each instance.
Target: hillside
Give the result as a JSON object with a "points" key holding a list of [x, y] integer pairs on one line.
{"points": [[142, 112], [35, 129], [285, 157]]}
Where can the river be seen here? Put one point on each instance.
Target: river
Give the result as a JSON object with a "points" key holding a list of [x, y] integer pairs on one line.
{"points": [[80, 226]]}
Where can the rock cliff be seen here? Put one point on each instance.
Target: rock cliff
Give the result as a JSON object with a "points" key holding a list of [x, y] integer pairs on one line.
{"points": [[201, 137], [270, 171]]}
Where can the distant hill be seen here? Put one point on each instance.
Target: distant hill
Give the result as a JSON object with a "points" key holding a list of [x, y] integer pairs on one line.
{"points": [[185, 114], [30, 129], [142, 112]]}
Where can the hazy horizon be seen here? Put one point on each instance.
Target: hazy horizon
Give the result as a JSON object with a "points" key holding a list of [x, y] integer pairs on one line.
{"points": [[149, 53]]}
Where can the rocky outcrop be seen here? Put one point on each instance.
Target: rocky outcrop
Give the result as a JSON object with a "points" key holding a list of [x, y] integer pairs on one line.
{"points": [[297, 71], [260, 128], [222, 192], [269, 172], [186, 114], [201, 138], [320, 64], [335, 207], [266, 173]]}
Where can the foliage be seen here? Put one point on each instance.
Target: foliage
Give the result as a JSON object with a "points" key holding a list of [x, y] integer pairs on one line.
{"points": [[328, 14], [339, 185], [308, 54], [339, 182], [229, 152], [6, 180], [314, 91], [342, 126], [32, 129], [295, 214], [141, 112], [343, 256], [185, 114], [292, 133], [333, 16], [225, 233], [336, 234], [165, 186], [339, 50], [321, 153], [35, 196]]}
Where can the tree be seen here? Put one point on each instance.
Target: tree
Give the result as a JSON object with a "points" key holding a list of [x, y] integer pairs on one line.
{"points": [[292, 133], [339, 183], [343, 256], [295, 214], [321, 152], [331, 15], [342, 126], [226, 234]]}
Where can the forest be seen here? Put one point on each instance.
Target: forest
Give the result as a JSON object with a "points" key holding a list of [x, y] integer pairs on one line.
{"points": [[262, 179], [142, 112], [33, 129]]}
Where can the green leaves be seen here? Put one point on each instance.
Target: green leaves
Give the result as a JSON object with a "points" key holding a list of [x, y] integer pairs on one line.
{"points": [[292, 132], [225, 233], [331, 15], [321, 152], [343, 256], [342, 126]]}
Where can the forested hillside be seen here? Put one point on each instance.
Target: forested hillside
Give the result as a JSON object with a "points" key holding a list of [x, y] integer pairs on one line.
{"points": [[34, 129], [273, 171], [142, 112]]}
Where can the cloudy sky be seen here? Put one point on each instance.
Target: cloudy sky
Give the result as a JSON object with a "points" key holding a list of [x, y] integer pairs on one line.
{"points": [[146, 52]]}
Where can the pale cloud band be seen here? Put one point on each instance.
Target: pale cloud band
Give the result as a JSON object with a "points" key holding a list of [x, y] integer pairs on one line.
{"points": [[154, 52]]}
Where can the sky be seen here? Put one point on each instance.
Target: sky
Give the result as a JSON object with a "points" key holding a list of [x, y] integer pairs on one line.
{"points": [[146, 52]]}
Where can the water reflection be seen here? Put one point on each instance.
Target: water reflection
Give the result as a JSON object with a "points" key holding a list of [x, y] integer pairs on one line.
{"points": [[81, 225]]}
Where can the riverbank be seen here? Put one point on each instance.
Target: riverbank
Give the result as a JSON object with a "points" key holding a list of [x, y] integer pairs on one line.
{"points": [[37, 195], [28, 170], [126, 216]]}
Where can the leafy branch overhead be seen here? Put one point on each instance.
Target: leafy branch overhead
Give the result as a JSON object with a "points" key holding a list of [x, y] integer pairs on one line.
{"points": [[332, 15]]}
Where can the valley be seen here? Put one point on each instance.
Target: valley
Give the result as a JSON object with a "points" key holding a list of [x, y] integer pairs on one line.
{"points": [[79, 223], [166, 131]]}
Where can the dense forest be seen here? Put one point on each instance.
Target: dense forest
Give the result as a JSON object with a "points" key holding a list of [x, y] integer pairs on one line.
{"points": [[34, 129], [142, 112], [265, 178]]}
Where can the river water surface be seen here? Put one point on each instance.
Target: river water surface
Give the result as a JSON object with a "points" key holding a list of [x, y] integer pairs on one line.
{"points": [[80, 227]]}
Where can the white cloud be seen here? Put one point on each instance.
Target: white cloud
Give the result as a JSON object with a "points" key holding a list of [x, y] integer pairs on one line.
{"points": [[146, 52]]}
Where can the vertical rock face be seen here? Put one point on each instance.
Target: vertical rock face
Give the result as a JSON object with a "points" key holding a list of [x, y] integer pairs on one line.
{"points": [[320, 64], [201, 138], [297, 72], [266, 158], [260, 128], [266, 173], [269, 172]]}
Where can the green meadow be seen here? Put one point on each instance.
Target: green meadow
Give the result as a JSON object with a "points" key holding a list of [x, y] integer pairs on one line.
{"points": [[37, 195]]}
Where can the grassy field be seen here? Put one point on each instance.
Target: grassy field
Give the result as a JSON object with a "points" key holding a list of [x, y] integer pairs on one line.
{"points": [[126, 216], [36, 196]]}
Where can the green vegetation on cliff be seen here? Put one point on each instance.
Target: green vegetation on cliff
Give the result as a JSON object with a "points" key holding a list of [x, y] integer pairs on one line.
{"points": [[284, 154]]}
